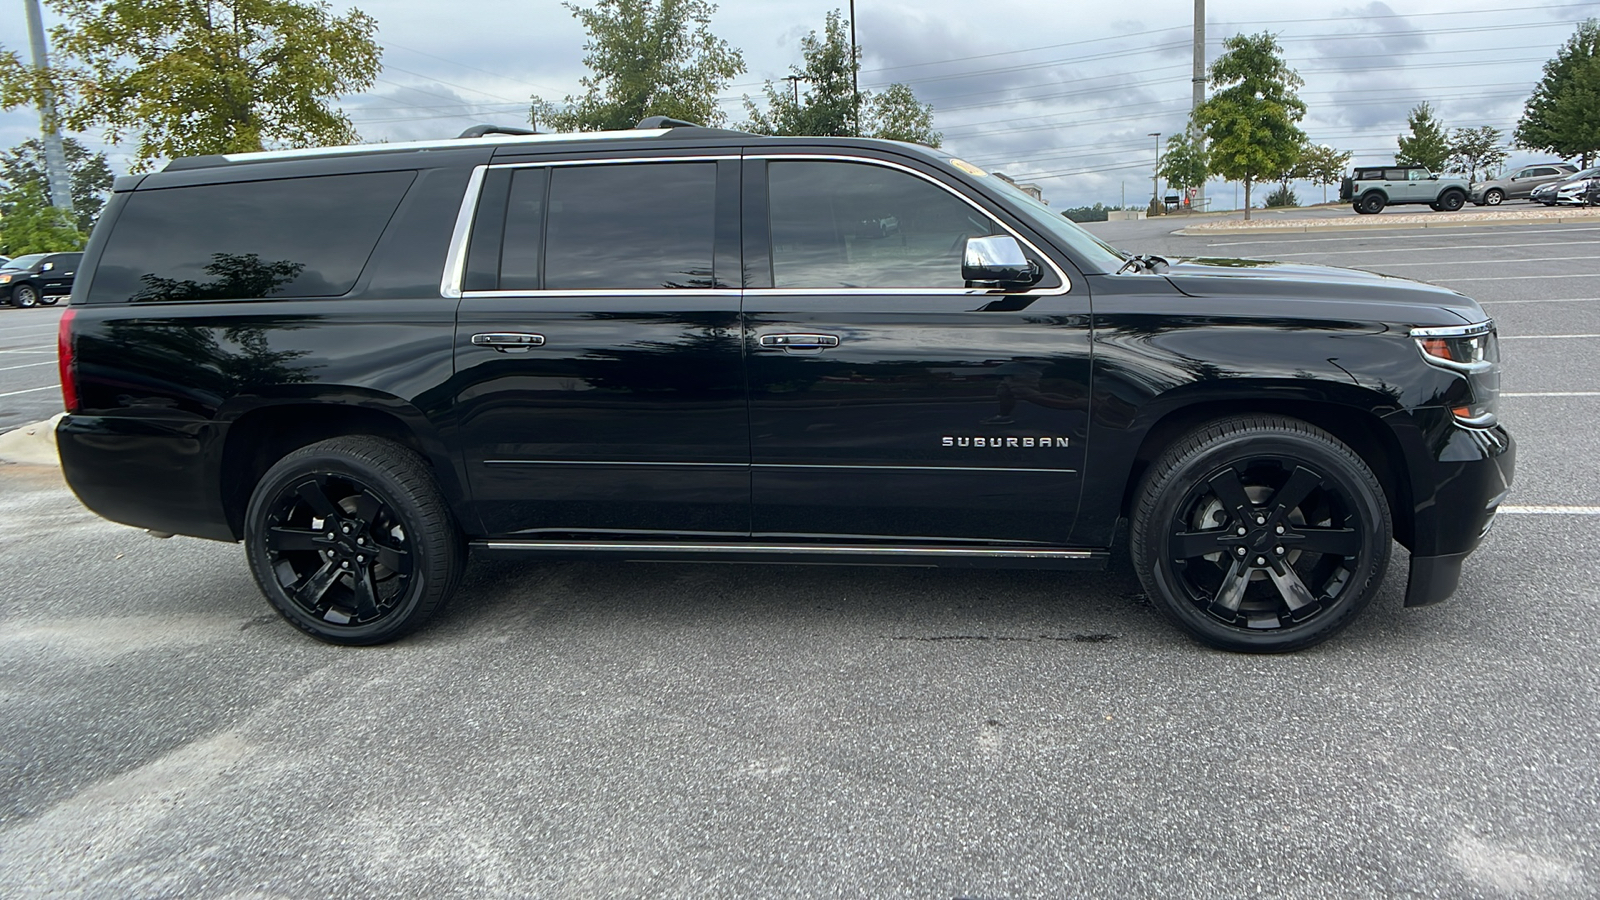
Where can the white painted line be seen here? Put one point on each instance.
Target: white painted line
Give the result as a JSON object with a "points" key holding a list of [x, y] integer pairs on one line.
{"points": [[30, 350], [1550, 394], [1550, 510], [1370, 250], [48, 362], [1523, 277], [48, 387], [1491, 262], [1544, 337], [1392, 236]]}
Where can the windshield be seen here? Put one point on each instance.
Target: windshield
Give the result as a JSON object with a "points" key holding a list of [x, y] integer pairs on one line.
{"points": [[1094, 251], [23, 262]]}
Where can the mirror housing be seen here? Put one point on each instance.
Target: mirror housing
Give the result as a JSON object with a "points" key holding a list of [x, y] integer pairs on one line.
{"points": [[997, 259], [47, 267]]}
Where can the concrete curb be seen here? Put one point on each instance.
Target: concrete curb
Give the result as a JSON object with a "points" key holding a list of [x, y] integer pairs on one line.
{"points": [[1373, 224], [32, 445]]}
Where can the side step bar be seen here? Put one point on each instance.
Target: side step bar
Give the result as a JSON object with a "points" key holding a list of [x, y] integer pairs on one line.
{"points": [[836, 554]]}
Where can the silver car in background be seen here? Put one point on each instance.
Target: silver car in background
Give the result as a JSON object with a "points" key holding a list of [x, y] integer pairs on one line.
{"points": [[1520, 183]]}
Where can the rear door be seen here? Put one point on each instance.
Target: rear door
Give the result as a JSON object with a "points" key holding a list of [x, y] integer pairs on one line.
{"points": [[889, 400], [598, 383]]}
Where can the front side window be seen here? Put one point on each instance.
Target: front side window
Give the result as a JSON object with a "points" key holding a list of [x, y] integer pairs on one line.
{"points": [[857, 225], [635, 226]]}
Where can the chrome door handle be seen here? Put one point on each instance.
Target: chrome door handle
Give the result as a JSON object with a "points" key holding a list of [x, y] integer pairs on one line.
{"points": [[509, 341], [799, 341]]}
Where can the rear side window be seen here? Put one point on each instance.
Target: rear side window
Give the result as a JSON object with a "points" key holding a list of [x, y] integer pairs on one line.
{"points": [[616, 227], [296, 237]]}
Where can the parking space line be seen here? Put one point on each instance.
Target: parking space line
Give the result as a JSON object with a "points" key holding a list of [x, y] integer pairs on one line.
{"points": [[1365, 251], [1524, 277], [48, 362], [1392, 235], [30, 350], [1544, 337], [1550, 510], [1562, 300], [48, 387], [1494, 262], [1550, 394]]}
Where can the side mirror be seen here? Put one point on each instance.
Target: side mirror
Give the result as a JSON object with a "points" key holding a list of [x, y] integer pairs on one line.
{"points": [[1433, 178], [998, 259], [47, 267]]}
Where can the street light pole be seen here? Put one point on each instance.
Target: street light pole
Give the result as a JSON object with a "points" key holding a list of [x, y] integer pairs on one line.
{"points": [[855, 68], [1155, 175], [55, 157]]}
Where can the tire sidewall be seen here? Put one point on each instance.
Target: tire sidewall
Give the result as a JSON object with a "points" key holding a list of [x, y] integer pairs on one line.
{"points": [[1451, 201], [1335, 463], [295, 467]]}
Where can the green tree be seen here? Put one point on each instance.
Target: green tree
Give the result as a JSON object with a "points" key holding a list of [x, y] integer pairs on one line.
{"points": [[192, 77], [1250, 121], [29, 224], [897, 115], [87, 170], [827, 105], [1428, 144], [645, 58], [1563, 114], [1322, 165], [1184, 164], [1472, 149]]}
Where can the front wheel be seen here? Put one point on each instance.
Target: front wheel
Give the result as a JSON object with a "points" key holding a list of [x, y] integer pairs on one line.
{"points": [[351, 540], [1494, 197], [1260, 534], [24, 296], [1451, 201]]}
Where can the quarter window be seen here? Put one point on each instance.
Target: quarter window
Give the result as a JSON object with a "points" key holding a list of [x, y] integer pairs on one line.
{"points": [[857, 225]]}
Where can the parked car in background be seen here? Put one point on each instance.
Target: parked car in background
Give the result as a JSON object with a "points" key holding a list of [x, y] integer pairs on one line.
{"points": [[1577, 191], [38, 278], [1545, 193], [1520, 183], [1548, 193], [1370, 188]]}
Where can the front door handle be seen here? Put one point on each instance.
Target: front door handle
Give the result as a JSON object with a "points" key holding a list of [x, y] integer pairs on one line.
{"points": [[799, 341], [509, 341]]}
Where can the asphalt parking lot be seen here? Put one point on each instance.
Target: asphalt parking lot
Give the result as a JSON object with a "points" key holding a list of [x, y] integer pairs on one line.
{"points": [[30, 387], [598, 729]]}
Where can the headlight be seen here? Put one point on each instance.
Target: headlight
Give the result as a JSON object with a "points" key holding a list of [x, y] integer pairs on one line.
{"points": [[5, 279], [1473, 351]]}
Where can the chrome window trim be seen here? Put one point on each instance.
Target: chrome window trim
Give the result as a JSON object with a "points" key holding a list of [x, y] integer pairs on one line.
{"points": [[1066, 283], [610, 160], [455, 259], [593, 292]]}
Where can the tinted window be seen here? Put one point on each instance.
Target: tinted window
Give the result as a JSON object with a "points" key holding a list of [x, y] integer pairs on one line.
{"points": [[629, 227], [298, 237], [524, 231], [839, 224]]}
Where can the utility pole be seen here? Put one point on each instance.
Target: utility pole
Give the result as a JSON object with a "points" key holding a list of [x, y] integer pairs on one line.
{"points": [[1155, 177], [1199, 91], [855, 67], [55, 156], [795, 80]]}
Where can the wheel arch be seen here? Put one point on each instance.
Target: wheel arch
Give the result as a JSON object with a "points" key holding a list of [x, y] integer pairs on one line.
{"points": [[261, 436], [1362, 429]]}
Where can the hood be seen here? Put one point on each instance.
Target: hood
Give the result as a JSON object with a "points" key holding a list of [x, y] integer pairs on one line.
{"points": [[1412, 301]]}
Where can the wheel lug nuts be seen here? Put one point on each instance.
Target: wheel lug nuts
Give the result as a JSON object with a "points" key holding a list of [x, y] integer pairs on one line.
{"points": [[345, 564], [1240, 551], [1240, 532], [346, 529], [1279, 550], [1261, 561], [1261, 520], [361, 540], [1279, 529], [364, 559]]}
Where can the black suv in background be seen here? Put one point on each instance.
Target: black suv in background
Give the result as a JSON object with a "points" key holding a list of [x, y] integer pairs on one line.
{"points": [[687, 343], [38, 278]]}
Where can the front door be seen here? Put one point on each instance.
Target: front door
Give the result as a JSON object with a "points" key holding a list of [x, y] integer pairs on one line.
{"points": [[599, 388], [888, 399]]}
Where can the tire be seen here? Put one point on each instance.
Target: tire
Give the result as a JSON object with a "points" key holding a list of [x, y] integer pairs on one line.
{"points": [[1450, 201], [393, 560], [1371, 204], [24, 296], [1358, 209], [1494, 197], [1290, 487]]}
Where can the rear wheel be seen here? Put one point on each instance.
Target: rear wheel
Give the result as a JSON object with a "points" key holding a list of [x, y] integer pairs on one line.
{"points": [[24, 296], [1260, 534], [351, 540], [1371, 204]]}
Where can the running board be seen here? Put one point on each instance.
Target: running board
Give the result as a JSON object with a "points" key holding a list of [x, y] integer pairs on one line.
{"points": [[830, 554]]}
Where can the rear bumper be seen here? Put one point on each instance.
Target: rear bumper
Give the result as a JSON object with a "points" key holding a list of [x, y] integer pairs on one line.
{"points": [[145, 472]]}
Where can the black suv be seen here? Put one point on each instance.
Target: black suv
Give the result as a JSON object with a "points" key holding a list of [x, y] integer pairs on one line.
{"points": [[38, 278], [687, 343]]}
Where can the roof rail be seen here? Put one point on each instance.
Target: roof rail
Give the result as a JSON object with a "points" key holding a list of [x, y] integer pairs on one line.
{"points": [[666, 122], [481, 130]]}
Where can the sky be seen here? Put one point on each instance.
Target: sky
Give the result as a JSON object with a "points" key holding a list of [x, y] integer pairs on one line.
{"points": [[1056, 92]]}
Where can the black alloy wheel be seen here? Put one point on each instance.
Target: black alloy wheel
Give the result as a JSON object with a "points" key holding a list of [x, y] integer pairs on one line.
{"points": [[1261, 534], [1494, 197], [24, 296], [1452, 201], [351, 541], [1372, 204]]}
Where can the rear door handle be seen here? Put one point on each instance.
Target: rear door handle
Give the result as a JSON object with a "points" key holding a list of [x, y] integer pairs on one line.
{"points": [[799, 341], [509, 341]]}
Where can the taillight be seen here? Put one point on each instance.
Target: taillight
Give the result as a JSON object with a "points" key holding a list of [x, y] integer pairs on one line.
{"points": [[69, 368], [1474, 352]]}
